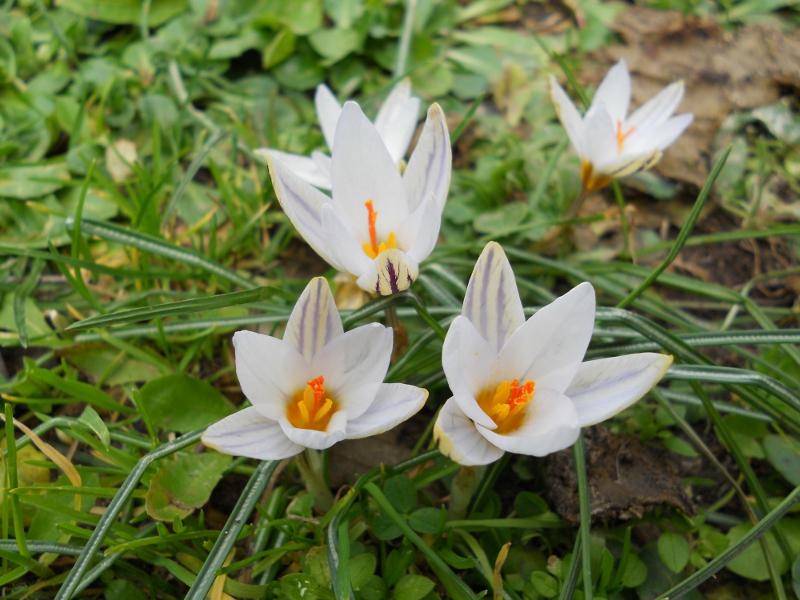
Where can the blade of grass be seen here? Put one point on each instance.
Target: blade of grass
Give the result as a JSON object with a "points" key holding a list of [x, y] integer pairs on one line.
{"points": [[115, 507], [156, 245], [20, 295], [181, 307], [568, 587], [224, 544], [684, 233], [11, 475], [586, 517], [467, 118]]}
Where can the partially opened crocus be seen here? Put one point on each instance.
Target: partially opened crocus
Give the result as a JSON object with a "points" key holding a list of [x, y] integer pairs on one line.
{"points": [[612, 144], [521, 386], [315, 387], [395, 122], [378, 225]]}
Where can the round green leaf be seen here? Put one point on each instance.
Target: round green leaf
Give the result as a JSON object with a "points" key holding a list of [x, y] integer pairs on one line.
{"points": [[545, 584], [182, 403], [425, 520], [674, 551], [412, 587], [362, 568]]}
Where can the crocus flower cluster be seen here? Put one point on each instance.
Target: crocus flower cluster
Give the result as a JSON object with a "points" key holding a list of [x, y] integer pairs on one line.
{"points": [[517, 385]]}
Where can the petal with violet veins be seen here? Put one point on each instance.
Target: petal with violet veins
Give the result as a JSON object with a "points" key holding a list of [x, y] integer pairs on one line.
{"points": [[467, 359], [628, 164], [615, 92], [362, 170], [270, 371], [328, 112], [316, 440], [392, 271], [354, 365], [394, 403], [568, 115], [459, 440], [249, 433], [602, 388], [658, 109], [429, 167], [314, 321], [549, 347], [550, 424], [492, 300], [344, 248], [302, 203], [307, 169]]}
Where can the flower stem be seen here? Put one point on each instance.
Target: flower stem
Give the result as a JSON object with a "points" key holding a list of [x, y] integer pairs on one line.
{"points": [[461, 490], [400, 333], [310, 464]]}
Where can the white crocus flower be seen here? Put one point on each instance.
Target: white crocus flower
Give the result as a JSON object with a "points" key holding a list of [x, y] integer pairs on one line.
{"points": [[378, 225], [612, 144], [520, 386], [315, 387], [396, 121]]}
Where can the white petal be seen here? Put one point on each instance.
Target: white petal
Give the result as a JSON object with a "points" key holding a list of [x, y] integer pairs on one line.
{"points": [[314, 320], [249, 433], [399, 95], [568, 115], [427, 233], [354, 365], [549, 347], [323, 162], [551, 424], [602, 388], [390, 272], [328, 112], [317, 440], [600, 136], [397, 120], [394, 403], [362, 170], [628, 164], [467, 359], [270, 371], [305, 168], [615, 92], [429, 167], [303, 205], [459, 440], [492, 300], [346, 250], [658, 109], [663, 136]]}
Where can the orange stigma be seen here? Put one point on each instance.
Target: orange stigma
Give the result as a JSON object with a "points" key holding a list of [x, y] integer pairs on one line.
{"points": [[372, 248], [622, 136], [505, 405], [310, 409]]}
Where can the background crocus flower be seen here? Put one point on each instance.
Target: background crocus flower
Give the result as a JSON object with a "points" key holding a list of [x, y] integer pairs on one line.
{"points": [[520, 386], [396, 121], [378, 225], [315, 387], [612, 144]]}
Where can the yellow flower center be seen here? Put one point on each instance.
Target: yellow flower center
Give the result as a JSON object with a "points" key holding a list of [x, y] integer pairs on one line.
{"points": [[310, 409], [506, 404], [372, 248], [621, 136]]}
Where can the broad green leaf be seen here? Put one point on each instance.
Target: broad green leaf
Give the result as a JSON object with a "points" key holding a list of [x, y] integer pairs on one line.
{"points": [[184, 482], [125, 12], [545, 584], [375, 589], [362, 568], [181, 403], [249, 39], [780, 121], [679, 446], [78, 389], [784, 456], [23, 182], [401, 493], [635, 572], [335, 44], [344, 12], [425, 520], [93, 422], [302, 16], [110, 363], [34, 319], [299, 586], [412, 587], [122, 589], [384, 528], [279, 48], [528, 504], [300, 71], [317, 565], [673, 550], [750, 563]]}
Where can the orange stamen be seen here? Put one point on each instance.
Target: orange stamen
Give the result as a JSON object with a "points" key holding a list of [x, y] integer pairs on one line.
{"points": [[310, 408], [505, 404], [622, 136], [372, 216]]}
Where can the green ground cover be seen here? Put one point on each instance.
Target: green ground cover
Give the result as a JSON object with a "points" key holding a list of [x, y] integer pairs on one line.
{"points": [[130, 194]]}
